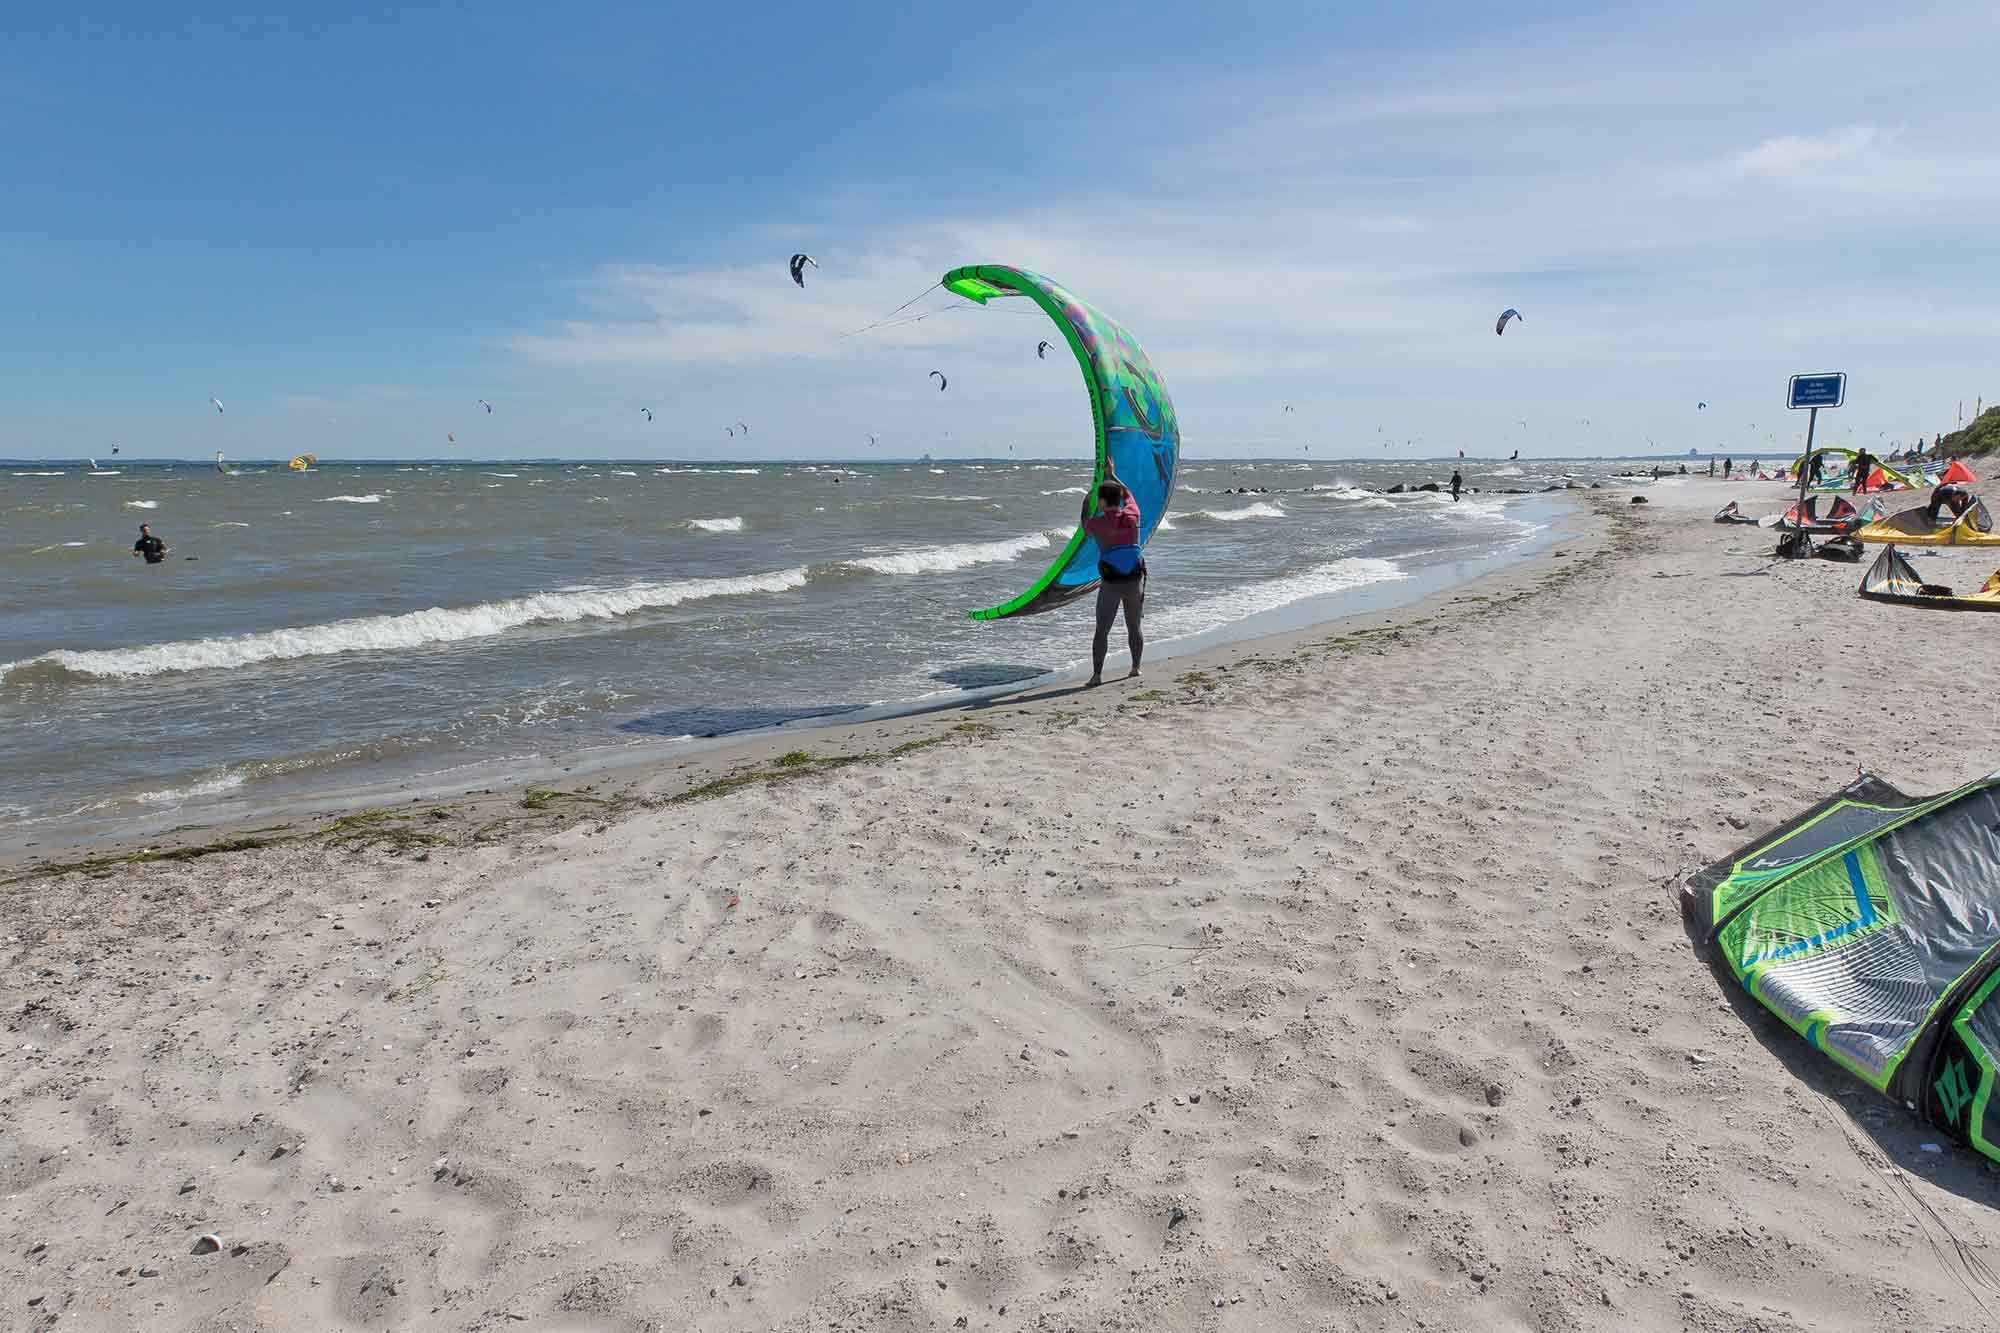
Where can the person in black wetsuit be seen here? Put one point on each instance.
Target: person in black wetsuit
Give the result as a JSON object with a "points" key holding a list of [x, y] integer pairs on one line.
{"points": [[1457, 485], [1864, 463], [149, 547], [1950, 496]]}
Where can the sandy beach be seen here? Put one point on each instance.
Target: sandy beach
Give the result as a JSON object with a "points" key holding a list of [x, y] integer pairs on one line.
{"points": [[1332, 982]]}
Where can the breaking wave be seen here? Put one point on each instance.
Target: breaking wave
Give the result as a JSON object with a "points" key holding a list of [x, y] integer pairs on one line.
{"points": [[731, 524], [350, 499], [413, 629], [942, 559], [1257, 510], [1214, 611]]}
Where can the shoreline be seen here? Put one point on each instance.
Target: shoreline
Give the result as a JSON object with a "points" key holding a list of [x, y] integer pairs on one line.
{"points": [[483, 783]]}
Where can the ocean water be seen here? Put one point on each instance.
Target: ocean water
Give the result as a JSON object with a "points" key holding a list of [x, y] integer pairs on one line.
{"points": [[372, 620]]}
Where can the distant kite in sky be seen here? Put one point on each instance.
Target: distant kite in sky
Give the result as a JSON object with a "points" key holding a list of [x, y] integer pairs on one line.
{"points": [[648, 411], [1042, 351], [217, 402], [871, 441], [449, 438], [1288, 407], [1699, 406], [745, 429], [1500, 324], [799, 263], [942, 381], [730, 431]]}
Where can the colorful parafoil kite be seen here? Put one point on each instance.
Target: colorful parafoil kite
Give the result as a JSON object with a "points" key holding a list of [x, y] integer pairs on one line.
{"points": [[942, 381], [303, 462], [1137, 431], [799, 263], [1500, 324], [1867, 925]]}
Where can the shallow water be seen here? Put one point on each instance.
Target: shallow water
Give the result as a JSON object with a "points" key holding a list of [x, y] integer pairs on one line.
{"points": [[312, 625]]}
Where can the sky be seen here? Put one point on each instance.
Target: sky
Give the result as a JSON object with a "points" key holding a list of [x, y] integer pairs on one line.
{"points": [[351, 227]]}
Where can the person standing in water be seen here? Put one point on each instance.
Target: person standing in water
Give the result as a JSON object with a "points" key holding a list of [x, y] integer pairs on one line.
{"points": [[1121, 570], [148, 547], [1457, 485]]}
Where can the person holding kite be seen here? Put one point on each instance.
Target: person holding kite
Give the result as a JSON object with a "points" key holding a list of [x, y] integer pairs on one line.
{"points": [[1121, 569]]}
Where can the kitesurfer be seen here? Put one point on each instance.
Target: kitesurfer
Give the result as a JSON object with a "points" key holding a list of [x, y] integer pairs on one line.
{"points": [[1121, 570], [1457, 485], [149, 547], [1728, 466], [1863, 461], [1950, 496]]}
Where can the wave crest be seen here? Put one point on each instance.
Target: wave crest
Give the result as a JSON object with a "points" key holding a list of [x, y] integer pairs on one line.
{"points": [[412, 629]]}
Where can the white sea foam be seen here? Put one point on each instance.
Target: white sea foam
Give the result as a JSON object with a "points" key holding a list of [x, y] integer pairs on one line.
{"points": [[351, 499], [942, 559], [1207, 613], [413, 629], [214, 786], [951, 497], [499, 474], [731, 524], [1257, 510], [624, 474], [1081, 490], [38, 474], [229, 525], [142, 504]]}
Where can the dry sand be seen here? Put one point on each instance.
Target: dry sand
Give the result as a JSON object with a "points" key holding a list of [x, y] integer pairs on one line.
{"points": [[1333, 984]]}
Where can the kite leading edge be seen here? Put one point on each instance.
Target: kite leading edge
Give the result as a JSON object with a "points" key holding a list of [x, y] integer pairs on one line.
{"points": [[1131, 415]]}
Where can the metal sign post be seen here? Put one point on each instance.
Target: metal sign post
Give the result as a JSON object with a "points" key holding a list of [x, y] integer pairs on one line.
{"points": [[1812, 392]]}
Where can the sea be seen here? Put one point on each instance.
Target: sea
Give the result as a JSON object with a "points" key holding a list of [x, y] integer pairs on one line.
{"points": [[316, 636]]}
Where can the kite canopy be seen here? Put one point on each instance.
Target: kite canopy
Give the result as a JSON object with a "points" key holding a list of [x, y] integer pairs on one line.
{"points": [[1840, 516], [1500, 324], [1917, 526], [1882, 478], [1893, 579], [1957, 472], [1132, 416], [303, 462], [1871, 925]]}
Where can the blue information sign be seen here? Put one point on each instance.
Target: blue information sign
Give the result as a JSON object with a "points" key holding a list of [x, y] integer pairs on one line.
{"points": [[1817, 390]]}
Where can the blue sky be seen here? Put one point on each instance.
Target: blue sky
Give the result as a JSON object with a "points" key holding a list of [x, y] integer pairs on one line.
{"points": [[351, 226]]}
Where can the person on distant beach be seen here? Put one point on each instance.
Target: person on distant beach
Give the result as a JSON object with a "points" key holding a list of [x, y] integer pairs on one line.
{"points": [[1728, 466], [1863, 461], [149, 547], [1711, 467], [1121, 570], [1815, 469], [1457, 485]]}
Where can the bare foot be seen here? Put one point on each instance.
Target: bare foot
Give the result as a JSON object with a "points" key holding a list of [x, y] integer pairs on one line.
{"points": [[1093, 682], [1133, 672]]}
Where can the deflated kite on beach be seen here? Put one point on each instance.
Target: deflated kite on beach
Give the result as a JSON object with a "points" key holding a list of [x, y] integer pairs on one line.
{"points": [[1871, 925], [1132, 416]]}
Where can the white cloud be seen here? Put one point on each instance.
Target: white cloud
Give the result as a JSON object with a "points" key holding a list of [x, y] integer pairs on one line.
{"points": [[1788, 153]]}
